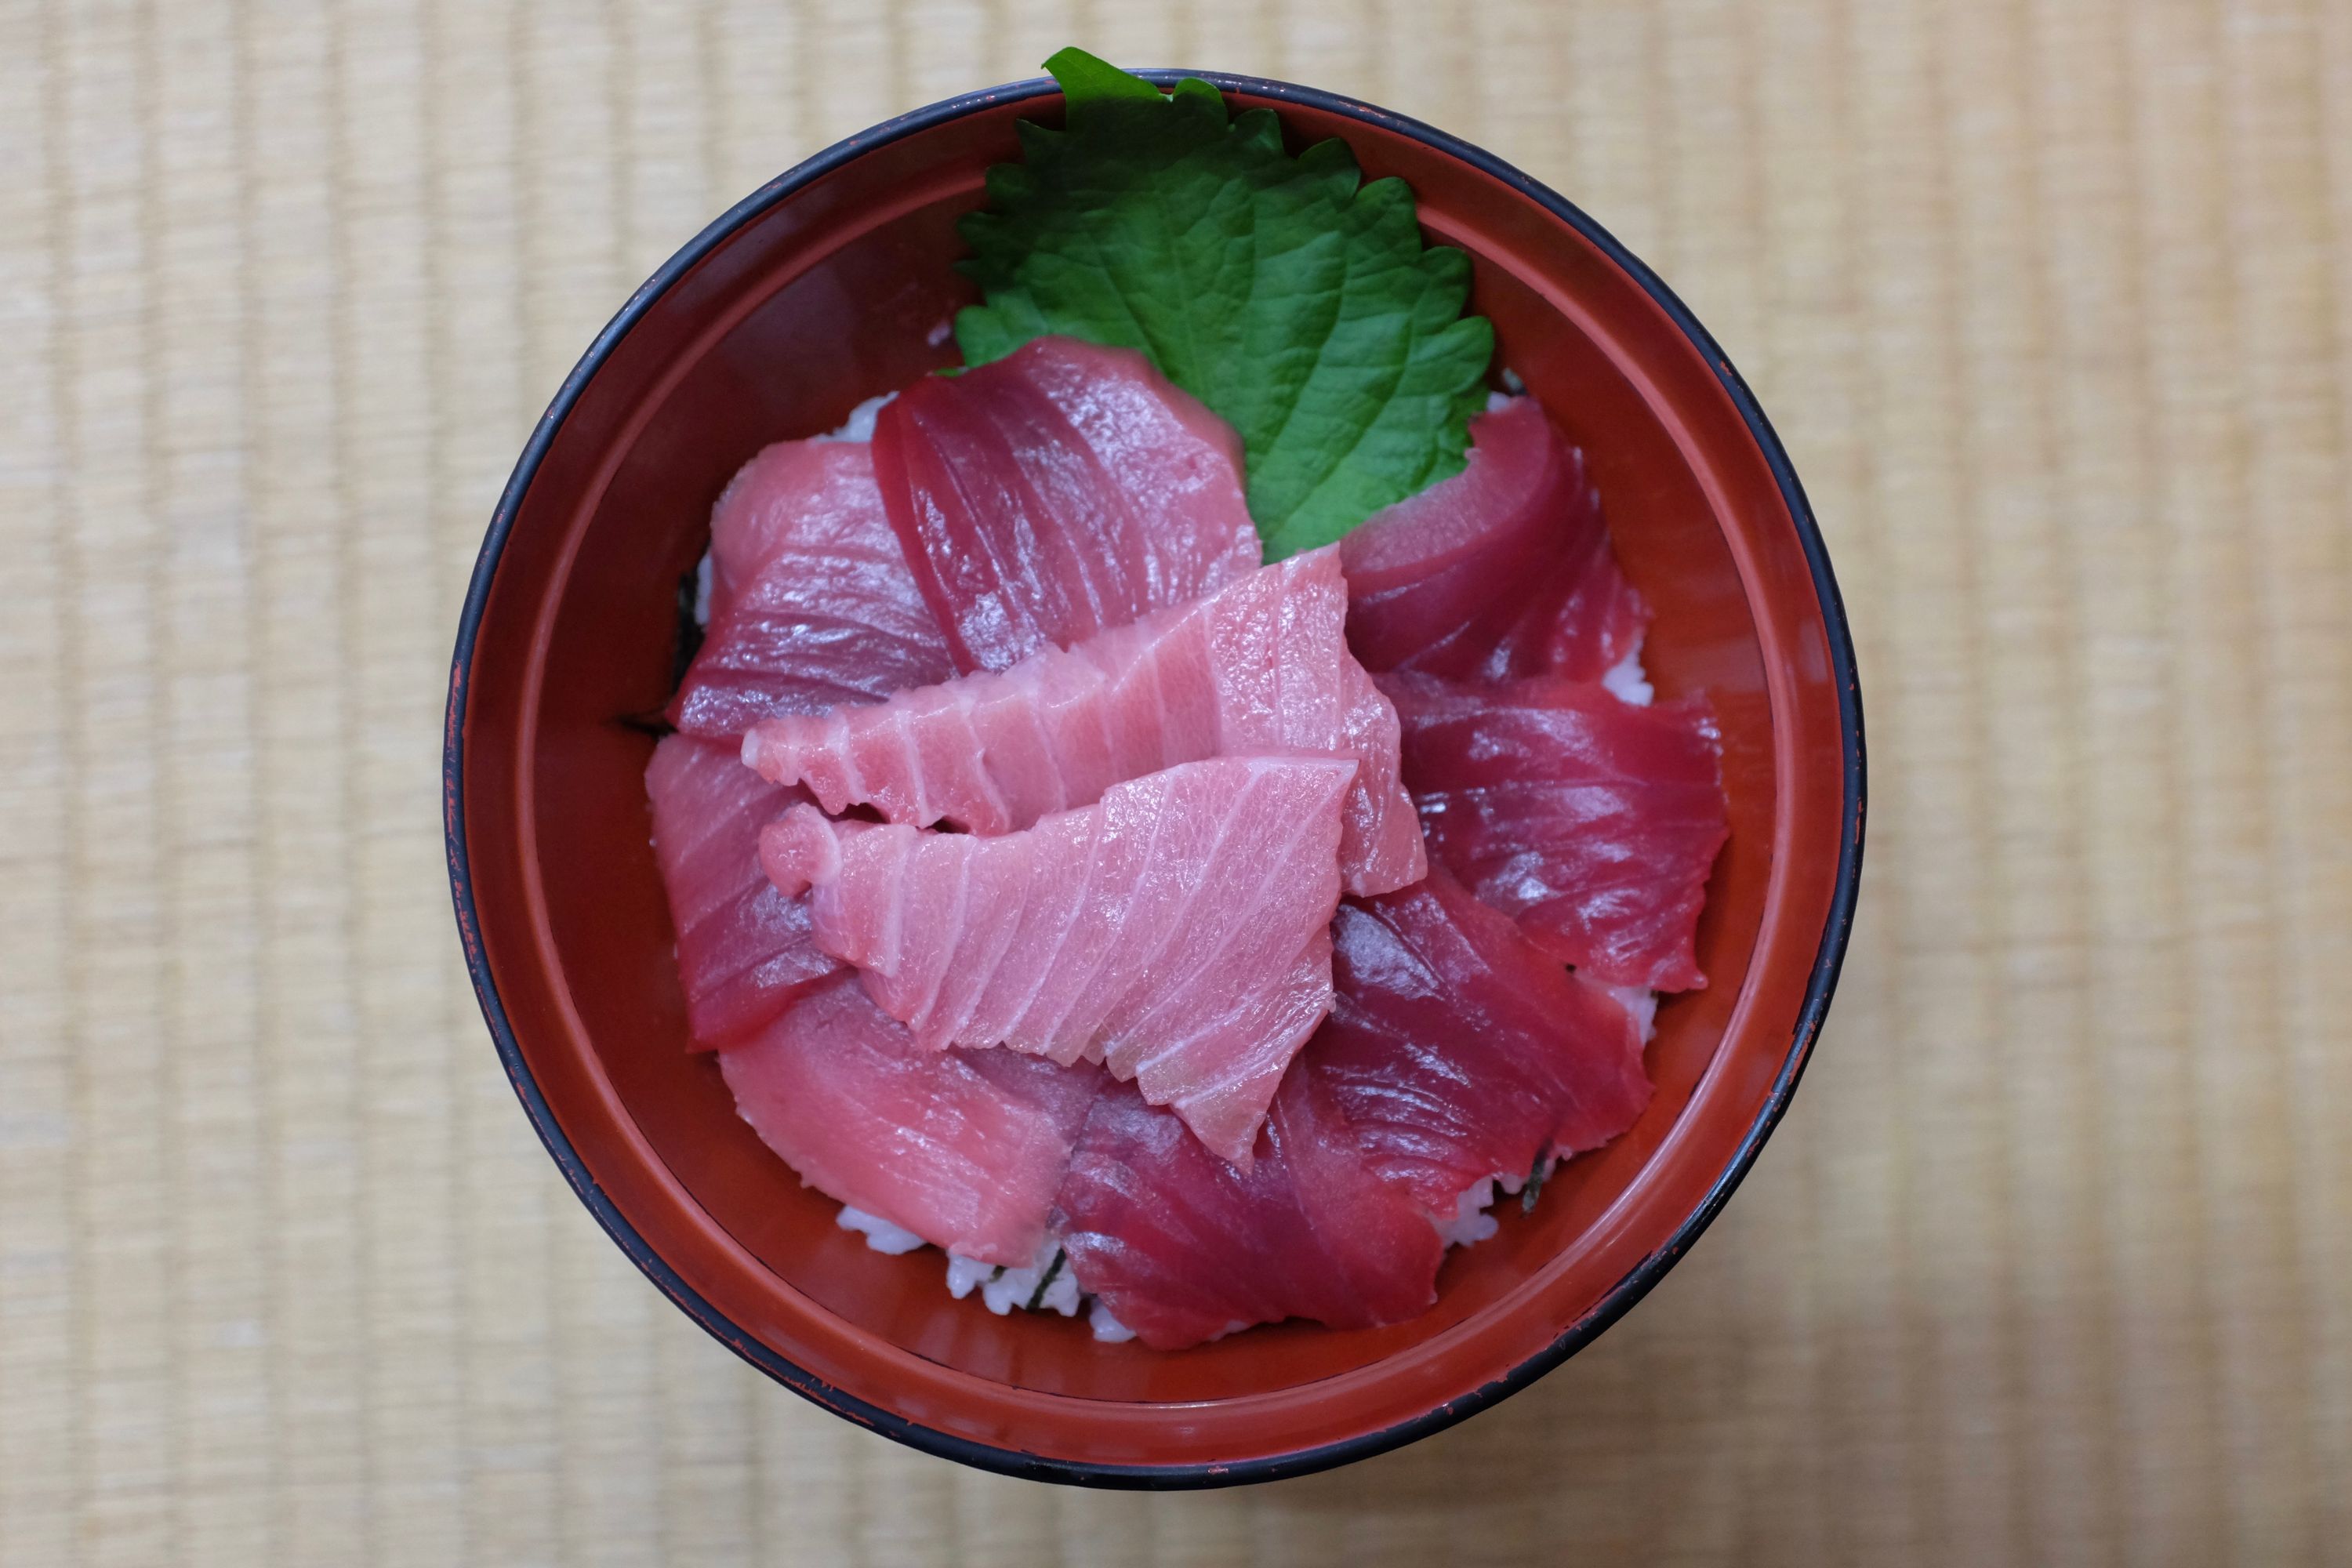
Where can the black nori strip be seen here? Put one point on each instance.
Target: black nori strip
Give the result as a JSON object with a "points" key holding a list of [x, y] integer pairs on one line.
{"points": [[1037, 1297], [1536, 1174], [689, 630]]}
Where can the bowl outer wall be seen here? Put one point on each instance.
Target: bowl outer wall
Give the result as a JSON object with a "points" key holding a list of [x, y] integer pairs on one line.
{"points": [[1818, 792]]}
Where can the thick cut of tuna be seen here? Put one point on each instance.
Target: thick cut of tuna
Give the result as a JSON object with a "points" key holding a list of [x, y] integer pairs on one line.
{"points": [[744, 950], [1592, 822], [1458, 1051], [965, 1149], [811, 601], [1259, 666], [1057, 492], [1502, 570], [1178, 928], [1181, 1247]]}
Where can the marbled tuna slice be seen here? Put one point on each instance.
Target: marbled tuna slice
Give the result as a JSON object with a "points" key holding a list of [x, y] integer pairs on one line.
{"points": [[1056, 493], [1500, 572], [1594, 823], [965, 1149], [1458, 1051], [1177, 930], [744, 950], [1259, 666]]}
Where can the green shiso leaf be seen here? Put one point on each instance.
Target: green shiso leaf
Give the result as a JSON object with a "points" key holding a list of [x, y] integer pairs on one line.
{"points": [[1297, 303]]}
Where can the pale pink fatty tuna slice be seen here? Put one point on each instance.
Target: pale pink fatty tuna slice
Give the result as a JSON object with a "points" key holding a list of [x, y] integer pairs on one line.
{"points": [[744, 950], [1261, 666], [965, 1149], [1182, 1248], [1458, 1051], [1060, 491], [1592, 822], [1178, 930], [1502, 570], [811, 601]]}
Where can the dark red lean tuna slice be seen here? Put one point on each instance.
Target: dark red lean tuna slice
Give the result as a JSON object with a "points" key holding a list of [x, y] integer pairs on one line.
{"points": [[964, 1148], [1502, 570], [1457, 1051], [744, 950], [1592, 822], [1060, 491], [812, 603], [1181, 1248]]}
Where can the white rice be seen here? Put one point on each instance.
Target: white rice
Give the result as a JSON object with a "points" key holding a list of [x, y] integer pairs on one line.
{"points": [[880, 1234], [1107, 1329], [1642, 1003], [1005, 1288], [1626, 680], [859, 425], [1471, 1221]]}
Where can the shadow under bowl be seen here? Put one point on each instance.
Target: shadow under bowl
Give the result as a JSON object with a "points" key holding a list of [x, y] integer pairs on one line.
{"points": [[833, 283]]}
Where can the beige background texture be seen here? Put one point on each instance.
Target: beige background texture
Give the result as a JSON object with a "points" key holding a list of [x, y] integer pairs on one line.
{"points": [[2052, 301]]}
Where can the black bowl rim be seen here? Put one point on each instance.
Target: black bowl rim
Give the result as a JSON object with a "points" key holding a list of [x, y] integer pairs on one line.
{"points": [[1622, 1297]]}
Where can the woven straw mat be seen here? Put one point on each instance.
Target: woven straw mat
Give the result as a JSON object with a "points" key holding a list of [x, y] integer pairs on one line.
{"points": [[2052, 301]]}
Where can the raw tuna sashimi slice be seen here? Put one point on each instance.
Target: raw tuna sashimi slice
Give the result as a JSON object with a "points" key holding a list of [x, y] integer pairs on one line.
{"points": [[812, 604], [1261, 666], [1502, 570], [964, 1148], [1178, 930], [1592, 822], [1458, 1051], [1057, 492], [744, 950], [1182, 1248]]}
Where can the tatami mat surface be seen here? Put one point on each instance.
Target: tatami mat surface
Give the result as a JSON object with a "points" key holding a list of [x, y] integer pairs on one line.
{"points": [[2052, 301]]}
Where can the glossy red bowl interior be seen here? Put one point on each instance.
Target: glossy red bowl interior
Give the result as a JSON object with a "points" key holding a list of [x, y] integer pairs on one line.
{"points": [[831, 285]]}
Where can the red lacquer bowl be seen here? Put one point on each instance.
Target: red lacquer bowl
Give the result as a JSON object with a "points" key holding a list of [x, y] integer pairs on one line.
{"points": [[830, 285]]}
